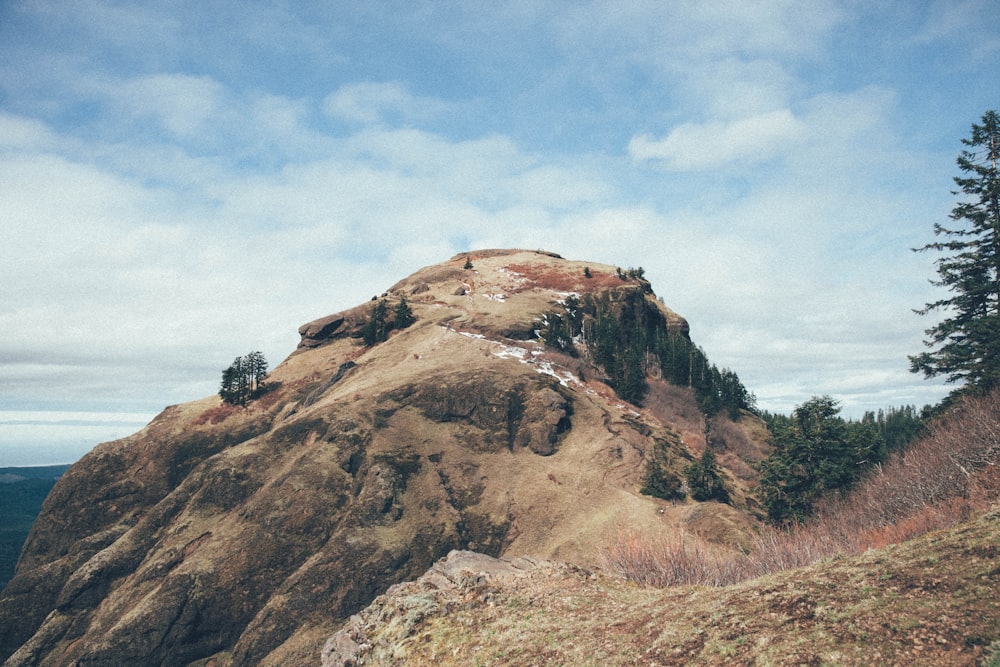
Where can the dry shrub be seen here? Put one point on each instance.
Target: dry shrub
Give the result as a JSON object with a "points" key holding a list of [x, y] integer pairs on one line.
{"points": [[561, 280], [215, 415], [932, 517], [940, 481], [727, 436], [957, 458], [673, 404], [673, 560], [740, 468]]}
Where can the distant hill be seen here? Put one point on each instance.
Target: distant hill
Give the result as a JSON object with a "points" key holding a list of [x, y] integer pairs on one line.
{"points": [[22, 491]]}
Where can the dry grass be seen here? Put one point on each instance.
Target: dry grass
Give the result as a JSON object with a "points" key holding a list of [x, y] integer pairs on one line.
{"points": [[932, 601], [557, 278]]}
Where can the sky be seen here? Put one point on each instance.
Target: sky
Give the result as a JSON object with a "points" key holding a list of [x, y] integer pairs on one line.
{"points": [[184, 182]]}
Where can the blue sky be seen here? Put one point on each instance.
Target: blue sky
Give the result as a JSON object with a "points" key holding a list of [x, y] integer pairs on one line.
{"points": [[184, 182]]}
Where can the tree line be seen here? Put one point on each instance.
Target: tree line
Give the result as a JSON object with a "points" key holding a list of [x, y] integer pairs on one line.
{"points": [[628, 338], [816, 451]]}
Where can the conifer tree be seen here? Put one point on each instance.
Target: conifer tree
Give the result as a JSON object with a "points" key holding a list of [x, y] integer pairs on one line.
{"points": [[967, 342], [704, 480], [244, 379], [376, 329], [402, 315]]}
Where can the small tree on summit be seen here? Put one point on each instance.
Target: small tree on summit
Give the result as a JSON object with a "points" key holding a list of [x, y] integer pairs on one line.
{"points": [[402, 315], [375, 329]]}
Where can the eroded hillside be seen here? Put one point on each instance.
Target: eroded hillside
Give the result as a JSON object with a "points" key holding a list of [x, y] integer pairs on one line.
{"points": [[246, 536]]}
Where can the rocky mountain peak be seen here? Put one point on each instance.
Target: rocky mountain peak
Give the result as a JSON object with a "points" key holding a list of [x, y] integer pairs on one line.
{"points": [[231, 535]]}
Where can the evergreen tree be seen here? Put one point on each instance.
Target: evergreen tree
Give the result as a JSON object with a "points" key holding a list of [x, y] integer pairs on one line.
{"points": [[967, 341], [659, 481], [256, 370], [815, 451], [402, 315], [244, 379], [704, 480], [376, 329]]}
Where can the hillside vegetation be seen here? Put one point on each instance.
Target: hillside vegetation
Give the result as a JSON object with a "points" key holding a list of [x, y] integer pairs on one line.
{"points": [[553, 416], [931, 601]]}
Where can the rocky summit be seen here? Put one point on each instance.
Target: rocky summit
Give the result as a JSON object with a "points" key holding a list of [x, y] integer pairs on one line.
{"points": [[248, 535]]}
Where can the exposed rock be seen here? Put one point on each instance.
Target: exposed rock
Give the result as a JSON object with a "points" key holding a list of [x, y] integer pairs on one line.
{"points": [[546, 418], [379, 633]]}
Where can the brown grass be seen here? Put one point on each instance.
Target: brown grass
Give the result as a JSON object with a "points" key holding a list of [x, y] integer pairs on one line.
{"points": [[216, 415], [554, 278]]}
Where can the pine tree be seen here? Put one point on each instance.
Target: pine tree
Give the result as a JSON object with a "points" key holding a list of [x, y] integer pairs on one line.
{"points": [[402, 315], [967, 341], [244, 379], [704, 480], [375, 329]]}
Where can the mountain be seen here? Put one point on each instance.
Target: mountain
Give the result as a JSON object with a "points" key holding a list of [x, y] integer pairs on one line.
{"points": [[221, 534]]}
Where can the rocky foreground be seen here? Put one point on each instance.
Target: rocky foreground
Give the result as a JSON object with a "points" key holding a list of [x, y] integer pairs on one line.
{"points": [[933, 601]]}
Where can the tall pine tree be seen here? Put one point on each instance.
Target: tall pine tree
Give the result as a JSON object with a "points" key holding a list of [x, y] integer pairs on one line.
{"points": [[966, 344]]}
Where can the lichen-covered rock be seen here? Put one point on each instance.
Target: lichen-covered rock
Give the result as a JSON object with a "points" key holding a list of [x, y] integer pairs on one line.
{"points": [[378, 634]]}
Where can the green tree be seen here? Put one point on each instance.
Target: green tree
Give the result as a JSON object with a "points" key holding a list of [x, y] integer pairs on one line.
{"points": [[256, 370], [659, 480], [815, 451], [244, 379], [376, 328], [402, 314], [966, 343], [704, 479]]}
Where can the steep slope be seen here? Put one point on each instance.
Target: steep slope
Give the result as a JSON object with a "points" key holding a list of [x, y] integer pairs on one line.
{"points": [[247, 535]]}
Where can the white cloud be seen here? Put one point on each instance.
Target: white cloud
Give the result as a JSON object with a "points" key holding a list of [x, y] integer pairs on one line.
{"points": [[370, 103], [746, 141], [20, 133], [182, 103]]}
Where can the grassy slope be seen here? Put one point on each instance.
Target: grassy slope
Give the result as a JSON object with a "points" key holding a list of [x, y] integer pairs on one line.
{"points": [[932, 601]]}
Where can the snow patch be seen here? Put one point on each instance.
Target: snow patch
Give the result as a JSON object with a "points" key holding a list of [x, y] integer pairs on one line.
{"points": [[532, 357]]}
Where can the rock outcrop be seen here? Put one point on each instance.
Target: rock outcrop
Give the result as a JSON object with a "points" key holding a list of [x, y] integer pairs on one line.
{"points": [[245, 536], [379, 633]]}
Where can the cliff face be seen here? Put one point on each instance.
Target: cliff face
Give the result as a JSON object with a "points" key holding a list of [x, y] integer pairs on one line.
{"points": [[247, 535]]}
